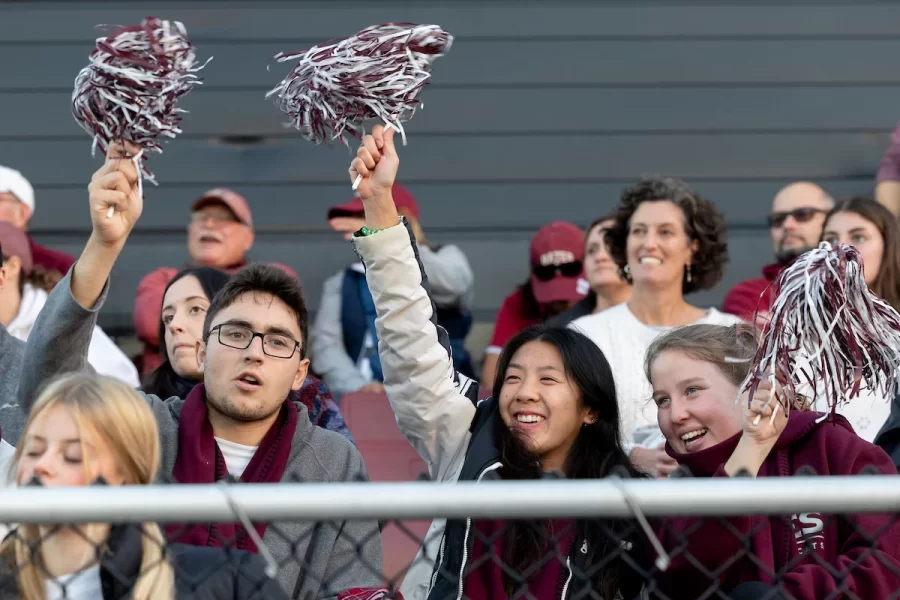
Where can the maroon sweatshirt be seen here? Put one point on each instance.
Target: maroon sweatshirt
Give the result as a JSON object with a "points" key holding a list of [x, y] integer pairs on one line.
{"points": [[746, 297], [780, 547]]}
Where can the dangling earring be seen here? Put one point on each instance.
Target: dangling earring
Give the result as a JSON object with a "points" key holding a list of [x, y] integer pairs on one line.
{"points": [[688, 269], [627, 273]]}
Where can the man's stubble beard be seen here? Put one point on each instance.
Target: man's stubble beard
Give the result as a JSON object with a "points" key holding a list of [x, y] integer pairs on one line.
{"points": [[245, 414]]}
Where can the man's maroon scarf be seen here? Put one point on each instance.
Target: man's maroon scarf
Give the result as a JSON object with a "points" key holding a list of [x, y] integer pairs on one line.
{"points": [[199, 460]]}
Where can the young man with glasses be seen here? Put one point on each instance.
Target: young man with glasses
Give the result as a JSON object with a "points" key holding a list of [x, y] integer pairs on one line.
{"points": [[238, 422], [220, 235], [795, 223]]}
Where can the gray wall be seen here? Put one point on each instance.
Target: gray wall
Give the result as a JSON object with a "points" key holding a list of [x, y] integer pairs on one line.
{"points": [[542, 110]]}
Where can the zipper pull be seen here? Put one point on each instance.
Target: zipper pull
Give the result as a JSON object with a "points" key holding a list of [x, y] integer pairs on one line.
{"points": [[584, 547]]}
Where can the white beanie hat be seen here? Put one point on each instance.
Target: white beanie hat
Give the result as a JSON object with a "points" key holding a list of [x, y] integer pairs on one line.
{"points": [[13, 182]]}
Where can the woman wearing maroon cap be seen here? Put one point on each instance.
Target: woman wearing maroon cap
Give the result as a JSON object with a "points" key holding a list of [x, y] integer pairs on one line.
{"points": [[555, 284], [696, 373], [608, 287], [668, 241]]}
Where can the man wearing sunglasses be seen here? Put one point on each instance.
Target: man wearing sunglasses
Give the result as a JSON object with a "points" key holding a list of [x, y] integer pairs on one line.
{"points": [[795, 223]]}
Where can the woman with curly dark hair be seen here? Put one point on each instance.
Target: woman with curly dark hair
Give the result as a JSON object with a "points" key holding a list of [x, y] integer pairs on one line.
{"points": [[668, 241]]}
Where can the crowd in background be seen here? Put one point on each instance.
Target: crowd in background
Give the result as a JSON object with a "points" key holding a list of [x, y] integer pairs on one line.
{"points": [[598, 357]]}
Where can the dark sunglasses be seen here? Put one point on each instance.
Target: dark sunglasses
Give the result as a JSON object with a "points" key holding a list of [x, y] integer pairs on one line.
{"points": [[548, 272], [801, 215]]}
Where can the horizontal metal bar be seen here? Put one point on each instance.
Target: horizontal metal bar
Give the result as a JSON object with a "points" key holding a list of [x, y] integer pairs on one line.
{"points": [[426, 500]]}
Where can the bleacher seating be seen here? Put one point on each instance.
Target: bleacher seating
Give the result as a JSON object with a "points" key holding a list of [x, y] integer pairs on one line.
{"points": [[388, 457]]}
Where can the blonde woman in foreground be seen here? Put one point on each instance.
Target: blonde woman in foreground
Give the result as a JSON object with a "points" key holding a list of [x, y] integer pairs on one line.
{"points": [[94, 430]]}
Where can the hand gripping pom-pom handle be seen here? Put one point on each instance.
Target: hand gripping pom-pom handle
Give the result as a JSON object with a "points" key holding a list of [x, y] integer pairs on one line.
{"points": [[358, 179], [136, 159]]}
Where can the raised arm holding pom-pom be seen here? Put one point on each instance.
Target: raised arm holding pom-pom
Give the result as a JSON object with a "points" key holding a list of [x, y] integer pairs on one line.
{"points": [[764, 418], [377, 162], [114, 185]]}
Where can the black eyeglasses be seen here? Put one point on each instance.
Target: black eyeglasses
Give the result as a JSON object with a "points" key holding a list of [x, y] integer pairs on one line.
{"points": [[801, 215], [240, 337], [548, 272]]}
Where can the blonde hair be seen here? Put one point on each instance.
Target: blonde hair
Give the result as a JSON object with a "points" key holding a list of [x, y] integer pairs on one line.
{"points": [[730, 348], [111, 411]]}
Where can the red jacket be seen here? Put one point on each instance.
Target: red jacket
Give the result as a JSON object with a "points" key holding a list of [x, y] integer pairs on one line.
{"points": [[746, 297], [51, 260], [778, 550], [148, 310]]}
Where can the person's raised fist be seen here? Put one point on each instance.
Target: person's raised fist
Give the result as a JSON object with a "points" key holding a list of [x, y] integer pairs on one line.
{"points": [[115, 201], [376, 163]]}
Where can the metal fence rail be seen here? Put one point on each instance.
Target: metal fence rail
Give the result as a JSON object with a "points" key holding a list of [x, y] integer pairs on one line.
{"points": [[844, 530], [426, 500]]}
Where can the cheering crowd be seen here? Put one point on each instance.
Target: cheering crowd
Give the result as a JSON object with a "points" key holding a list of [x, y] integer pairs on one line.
{"points": [[598, 366]]}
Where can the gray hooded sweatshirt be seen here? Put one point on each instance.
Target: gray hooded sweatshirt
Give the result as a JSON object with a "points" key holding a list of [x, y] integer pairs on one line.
{"points": [[336, 555]]}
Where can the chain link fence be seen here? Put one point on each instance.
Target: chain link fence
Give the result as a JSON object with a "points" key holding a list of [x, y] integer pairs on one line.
{"points": [[800, 537]]}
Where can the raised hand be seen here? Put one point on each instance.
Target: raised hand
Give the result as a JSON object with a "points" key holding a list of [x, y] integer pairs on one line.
{"points": [[115, 202], [758, 421], [763, 420], [377, 162]]}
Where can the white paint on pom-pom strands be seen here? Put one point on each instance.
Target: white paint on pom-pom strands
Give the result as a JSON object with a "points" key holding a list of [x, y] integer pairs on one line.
{"points": [[132, 84], [375, 74]]}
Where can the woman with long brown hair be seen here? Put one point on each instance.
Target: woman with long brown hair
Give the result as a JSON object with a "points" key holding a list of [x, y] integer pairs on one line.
{"points": [[875, 233]]}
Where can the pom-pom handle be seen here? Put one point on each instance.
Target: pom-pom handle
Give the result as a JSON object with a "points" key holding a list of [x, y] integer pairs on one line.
{"points": [[136, 160]]}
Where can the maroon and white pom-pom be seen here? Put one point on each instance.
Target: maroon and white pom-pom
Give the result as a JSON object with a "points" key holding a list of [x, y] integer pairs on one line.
{"points": [[375, 74], [131, 87], [828, 332]]}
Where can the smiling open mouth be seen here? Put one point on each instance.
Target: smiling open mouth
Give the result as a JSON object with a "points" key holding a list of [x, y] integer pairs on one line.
{"points": [[692, 438], [529, 418]]}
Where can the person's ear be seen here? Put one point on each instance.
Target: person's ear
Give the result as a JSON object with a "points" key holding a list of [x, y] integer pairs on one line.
{"points": [[249, 238], [12, 268], [201, 355], [300, 375]]}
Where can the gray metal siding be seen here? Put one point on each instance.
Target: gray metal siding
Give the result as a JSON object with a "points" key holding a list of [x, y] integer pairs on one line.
{"points": [[541, 110]]}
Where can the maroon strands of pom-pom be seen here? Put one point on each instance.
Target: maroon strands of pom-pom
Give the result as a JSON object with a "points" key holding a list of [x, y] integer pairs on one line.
{"points": [[828, 332], [132, 85], [375, 74]]}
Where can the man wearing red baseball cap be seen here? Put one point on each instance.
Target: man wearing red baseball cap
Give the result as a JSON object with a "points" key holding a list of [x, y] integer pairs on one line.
{"points": [[555, 284], [220, 235], [343, 345]]}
